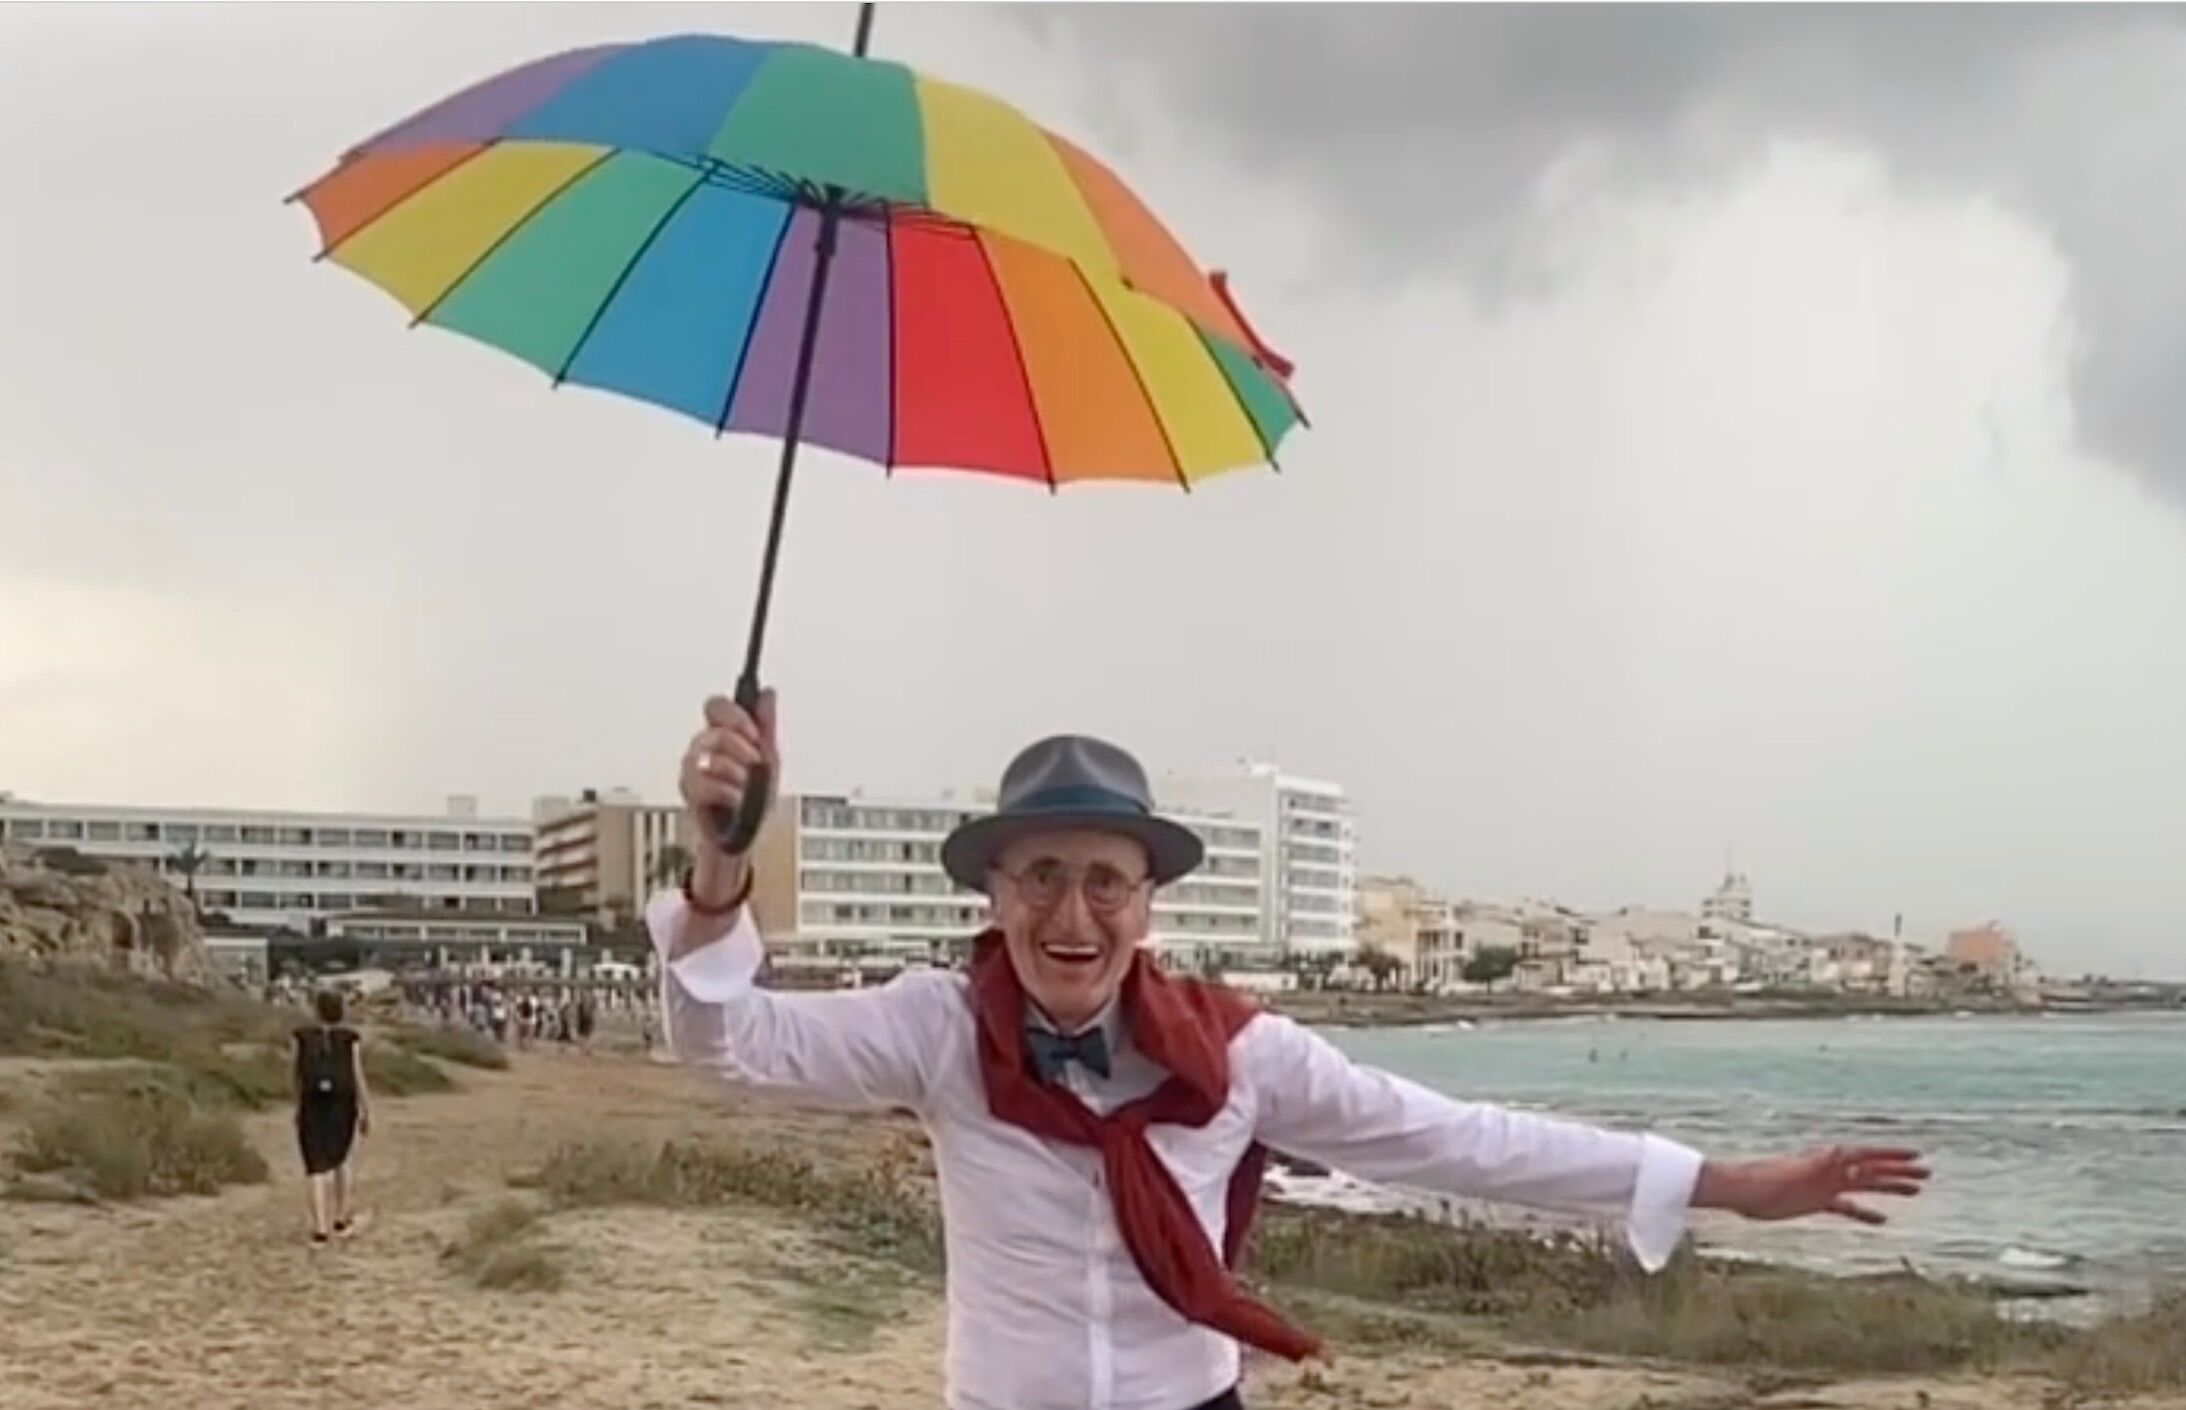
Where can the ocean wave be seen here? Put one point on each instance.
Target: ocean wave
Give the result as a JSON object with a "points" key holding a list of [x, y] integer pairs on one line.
{"points": [[2035, 1260]]}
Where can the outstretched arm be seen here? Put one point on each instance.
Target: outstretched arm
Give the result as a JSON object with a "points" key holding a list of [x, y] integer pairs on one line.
{"points": [[1318, 1103]]}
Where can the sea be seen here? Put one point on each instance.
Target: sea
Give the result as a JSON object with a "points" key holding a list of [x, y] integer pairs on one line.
{"points": [[2058, 1142]]}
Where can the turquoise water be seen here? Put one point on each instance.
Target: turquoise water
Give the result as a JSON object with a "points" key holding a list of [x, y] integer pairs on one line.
{"points": [[2058, 1143]]}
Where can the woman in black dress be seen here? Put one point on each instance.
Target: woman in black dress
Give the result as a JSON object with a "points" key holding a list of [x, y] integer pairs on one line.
{"points": [[332, 1110]]}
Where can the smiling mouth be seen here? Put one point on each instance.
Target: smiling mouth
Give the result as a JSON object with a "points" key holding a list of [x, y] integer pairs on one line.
{"points": [[1071, 954]]}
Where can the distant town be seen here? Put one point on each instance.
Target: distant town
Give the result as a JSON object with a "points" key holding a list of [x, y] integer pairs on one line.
{"points": [[851, 891]]}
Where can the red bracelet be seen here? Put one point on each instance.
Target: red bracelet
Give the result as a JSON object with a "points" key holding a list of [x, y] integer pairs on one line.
{"points": [[700, 908]]}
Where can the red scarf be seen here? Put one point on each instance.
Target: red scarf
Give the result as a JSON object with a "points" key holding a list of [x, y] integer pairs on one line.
{"points": [[1185, 1026]]}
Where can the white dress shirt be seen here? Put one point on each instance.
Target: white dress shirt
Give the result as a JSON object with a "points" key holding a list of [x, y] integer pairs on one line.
{"points": [[1047, 1311]]}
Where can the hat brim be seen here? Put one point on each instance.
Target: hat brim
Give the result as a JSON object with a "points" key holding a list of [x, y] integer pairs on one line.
{"points": [[968, 854]]}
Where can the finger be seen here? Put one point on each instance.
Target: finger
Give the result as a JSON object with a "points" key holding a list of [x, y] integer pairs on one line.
{"points": [[710, 793], [1859, 1213], [1882, 1155], [714, 747], [1893, 1187], [719, 710], [733, 724], [766, 717]]}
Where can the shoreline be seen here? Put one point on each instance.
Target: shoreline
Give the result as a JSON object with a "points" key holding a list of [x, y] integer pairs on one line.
{"points": [[1331, 1008]]}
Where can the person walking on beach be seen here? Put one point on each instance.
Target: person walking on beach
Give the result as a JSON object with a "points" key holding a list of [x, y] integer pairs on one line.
{"points": [[333, 1108], [1099, 1126]]}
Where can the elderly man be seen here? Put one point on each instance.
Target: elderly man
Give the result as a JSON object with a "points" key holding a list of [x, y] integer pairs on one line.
{"points": [[1098, 1125]]}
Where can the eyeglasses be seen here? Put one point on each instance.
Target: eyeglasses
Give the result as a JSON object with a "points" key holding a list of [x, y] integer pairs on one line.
{"points": [[1044, 884]]}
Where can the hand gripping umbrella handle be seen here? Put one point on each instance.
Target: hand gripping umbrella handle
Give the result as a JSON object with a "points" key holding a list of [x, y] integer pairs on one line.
{"points": [[736, 829]]}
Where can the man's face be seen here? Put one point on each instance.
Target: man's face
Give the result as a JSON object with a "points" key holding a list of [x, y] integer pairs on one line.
{"points": [[1073, 908]]}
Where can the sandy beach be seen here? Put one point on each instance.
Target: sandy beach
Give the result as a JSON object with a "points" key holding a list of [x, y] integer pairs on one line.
{"points": [[220, 1301]]}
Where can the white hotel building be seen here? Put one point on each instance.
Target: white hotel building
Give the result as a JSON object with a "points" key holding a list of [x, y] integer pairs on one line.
{"points": [[1309, 845], [844, 878], [290, 869]]}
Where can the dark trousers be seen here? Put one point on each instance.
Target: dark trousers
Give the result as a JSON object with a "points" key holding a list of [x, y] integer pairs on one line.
{"points": [[1227, 1400]]}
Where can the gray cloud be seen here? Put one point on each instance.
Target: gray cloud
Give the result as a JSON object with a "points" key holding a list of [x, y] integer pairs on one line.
{"points": [[1425, 133]]}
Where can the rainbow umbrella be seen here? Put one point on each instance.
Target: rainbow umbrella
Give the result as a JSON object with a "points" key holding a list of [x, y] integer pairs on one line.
{"points": [[780, 239]]}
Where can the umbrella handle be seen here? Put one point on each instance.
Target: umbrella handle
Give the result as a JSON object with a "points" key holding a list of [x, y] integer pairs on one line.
{"points": [[736, 829]]}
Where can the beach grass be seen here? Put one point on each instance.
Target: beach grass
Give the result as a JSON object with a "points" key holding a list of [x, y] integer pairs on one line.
{"points": [[878, 1208], [2139, 1353], [500, 1249], [457, 1045], [172, 1066], [142, 1141]]}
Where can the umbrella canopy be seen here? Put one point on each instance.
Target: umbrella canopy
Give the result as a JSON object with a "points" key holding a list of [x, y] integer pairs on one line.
{"points": [[645, 218]]}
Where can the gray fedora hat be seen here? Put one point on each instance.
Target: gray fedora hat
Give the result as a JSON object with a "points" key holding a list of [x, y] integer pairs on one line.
{"points": [[1068, 782]]}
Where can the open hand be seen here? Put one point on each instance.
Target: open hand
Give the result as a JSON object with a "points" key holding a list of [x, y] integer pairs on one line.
{"points": [[1817, 1182]]}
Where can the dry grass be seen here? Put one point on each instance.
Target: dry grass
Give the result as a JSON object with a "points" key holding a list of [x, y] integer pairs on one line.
{"points": [[397, 1072], [1471, 1269], [499, 1248], [1742, 1315], [879, 1209], [162, 1119], [72, 1012], [456, 1045], [130, 1144], [2130, 1355]]}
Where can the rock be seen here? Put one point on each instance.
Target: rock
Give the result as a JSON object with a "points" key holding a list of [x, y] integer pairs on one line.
{"points": [[119, 917]]}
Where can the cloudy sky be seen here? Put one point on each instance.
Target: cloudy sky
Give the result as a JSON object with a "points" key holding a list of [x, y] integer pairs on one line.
{"points": [[1736, 431]]}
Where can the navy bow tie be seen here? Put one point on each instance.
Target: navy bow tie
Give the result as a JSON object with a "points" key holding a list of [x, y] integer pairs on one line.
{"points": [[1051, 1052]]}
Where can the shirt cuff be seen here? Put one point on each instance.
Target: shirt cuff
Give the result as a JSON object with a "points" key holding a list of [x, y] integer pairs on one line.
{"points": [[1662, 1197], [715, 972]]}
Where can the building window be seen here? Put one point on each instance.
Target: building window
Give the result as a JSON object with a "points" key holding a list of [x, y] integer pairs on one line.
{"points": [[335, 901], [515, 842], [373, 837], [334, 836], [143, 832], [103, 832], [256, 901], [26, 828]]}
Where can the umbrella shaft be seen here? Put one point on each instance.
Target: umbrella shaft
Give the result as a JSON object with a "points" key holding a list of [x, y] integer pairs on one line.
{"points": [[799, 392], [800, 388]]}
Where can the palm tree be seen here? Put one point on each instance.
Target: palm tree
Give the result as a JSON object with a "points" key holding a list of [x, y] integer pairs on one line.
{"points": [[190, 860], [670, 864]]}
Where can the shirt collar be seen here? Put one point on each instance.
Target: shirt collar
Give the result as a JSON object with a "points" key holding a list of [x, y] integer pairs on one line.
{"points": [[1109, 1020]]}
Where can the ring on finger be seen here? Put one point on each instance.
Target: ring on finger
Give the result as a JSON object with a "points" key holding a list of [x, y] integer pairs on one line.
{"points": [[705, 762]]}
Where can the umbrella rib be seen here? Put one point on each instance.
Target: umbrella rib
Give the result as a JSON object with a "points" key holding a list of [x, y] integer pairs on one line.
{"points": [[1138, 378], [888, 303], [1017, 356], [494, 247], [751, 329], [629, 267]]}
